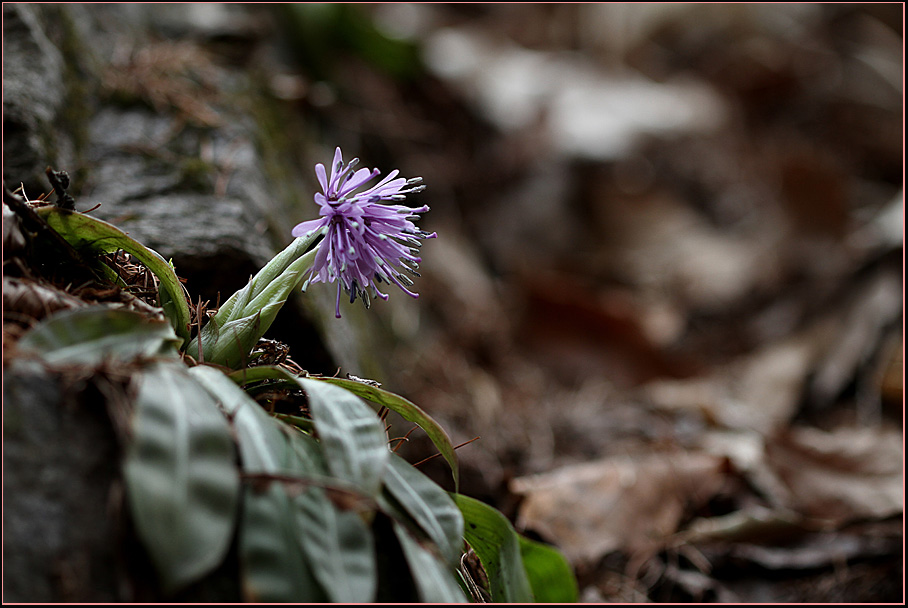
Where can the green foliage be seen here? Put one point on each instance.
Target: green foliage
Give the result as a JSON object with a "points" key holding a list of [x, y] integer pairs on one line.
{"points": [[230, 335], [86, 233], [550, 574], [430, 507], [333, 544], [431, 575], [351, 434], [496, 543], [408, 411], [319, 32], [97, 334], [182, 483], [205, 464]]}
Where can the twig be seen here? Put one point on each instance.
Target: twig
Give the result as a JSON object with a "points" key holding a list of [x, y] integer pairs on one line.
{"points": [[439, 453]]}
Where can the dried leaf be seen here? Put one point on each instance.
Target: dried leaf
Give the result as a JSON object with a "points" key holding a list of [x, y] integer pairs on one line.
{"points": [[594, 508], [844, 475]]}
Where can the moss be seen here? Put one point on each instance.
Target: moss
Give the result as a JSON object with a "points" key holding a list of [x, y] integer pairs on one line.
{"points": [[279, 132], [196, 175], [78, 78]]}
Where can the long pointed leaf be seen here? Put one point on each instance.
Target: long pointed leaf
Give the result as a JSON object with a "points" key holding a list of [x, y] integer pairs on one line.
{"points": [[251, 310], [337, 545], [496, 543], [429, 506], [182, 482], [352, 436], [408, 411], [551, 576], [434, 579], [235, 304], [86, 232], [94, 334]]}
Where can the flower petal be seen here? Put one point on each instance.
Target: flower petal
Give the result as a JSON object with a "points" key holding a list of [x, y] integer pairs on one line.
{"points": [[307, 228]]}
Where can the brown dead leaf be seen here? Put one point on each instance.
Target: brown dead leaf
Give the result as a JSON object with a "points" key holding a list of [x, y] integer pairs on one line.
{"points": [[839, 476], [34, 300], [876, 306], [594, 508], [758, 392], [819, 550]]}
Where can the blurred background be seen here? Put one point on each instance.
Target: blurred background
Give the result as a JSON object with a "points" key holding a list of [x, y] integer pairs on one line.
{"points": [[666, 292]]}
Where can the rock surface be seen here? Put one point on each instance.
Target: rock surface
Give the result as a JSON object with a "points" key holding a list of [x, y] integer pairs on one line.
{"points": [[185, 176]]}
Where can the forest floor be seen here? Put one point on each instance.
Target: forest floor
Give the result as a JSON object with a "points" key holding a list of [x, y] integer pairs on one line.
{"points": [[667, 291]]}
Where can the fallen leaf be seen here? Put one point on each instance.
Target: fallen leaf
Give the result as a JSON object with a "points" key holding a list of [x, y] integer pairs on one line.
{"points": [[843, 475], [591, 509]]}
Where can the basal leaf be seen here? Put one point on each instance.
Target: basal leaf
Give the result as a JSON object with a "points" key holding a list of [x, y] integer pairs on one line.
{"points": [[434, 579], [551, 576], [259, 373], [429, 506], [352, 436], [94, 334], [274, 567], [182, 482], [496, 543], [408, 411], [86, 232], [336, 544]]}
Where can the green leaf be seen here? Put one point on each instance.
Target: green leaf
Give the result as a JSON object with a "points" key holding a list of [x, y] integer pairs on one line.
{"points": [[352, 436], [260, 373], [231, 345], [274, 567], [496, 543], [408, 411], [550, 574], [86, 232], [182, 482], [236, 305], [434, 579], [303, 424], [337, 545], [232, 333], [94, 334], [429, 506]]}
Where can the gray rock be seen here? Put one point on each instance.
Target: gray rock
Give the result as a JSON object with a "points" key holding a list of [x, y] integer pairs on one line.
{"points": [[33, 97], [60, 463]]}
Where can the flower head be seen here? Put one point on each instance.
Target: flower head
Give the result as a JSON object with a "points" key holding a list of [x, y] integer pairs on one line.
{"points": [[368, 239]]}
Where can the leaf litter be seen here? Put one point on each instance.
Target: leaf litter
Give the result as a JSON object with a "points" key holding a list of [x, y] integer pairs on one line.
{"points": [[680, 342]]}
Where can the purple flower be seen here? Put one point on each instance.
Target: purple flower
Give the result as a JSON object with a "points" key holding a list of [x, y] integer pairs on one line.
{"points": [[367, 239]]}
